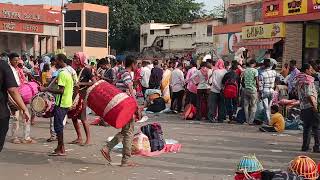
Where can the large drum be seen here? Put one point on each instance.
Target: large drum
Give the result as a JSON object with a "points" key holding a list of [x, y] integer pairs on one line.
{"points": [[28, 90], [113, 105], [42, 104], [77, 107]]}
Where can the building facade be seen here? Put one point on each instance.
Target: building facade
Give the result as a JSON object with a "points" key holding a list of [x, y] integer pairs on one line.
{"points": [[87, 29], [195, 37], [31, 29]]}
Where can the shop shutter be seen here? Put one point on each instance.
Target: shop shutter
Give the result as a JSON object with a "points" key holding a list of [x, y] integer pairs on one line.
{"points": [[73, 16]]}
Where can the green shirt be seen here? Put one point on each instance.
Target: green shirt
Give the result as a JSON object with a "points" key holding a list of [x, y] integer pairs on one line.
{"points": [[250, 75], [65, 80]]}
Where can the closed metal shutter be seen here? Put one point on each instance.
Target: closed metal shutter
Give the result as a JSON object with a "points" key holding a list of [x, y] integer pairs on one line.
{"points": [[96, 39], [96, 20]]}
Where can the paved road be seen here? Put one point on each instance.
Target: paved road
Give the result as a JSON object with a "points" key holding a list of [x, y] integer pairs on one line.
{"points": [[209, 152]]}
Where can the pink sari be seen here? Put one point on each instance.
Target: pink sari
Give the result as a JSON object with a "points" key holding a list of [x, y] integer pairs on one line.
{"points": [[137, 81]]}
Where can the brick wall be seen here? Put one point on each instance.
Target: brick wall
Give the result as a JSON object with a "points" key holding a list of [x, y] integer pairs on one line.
{"points": [[293, 43]]}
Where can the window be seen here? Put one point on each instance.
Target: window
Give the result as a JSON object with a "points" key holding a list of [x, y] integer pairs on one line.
{"points": [[96, 20], [72, 38], [145, 40], [237, 14], [167, 31], [151, 31], [96, 39], [73, 16], [209, 30], [256, 12]]}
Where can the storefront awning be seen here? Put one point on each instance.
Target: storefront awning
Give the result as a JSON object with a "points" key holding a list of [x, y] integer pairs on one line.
{"points": [[254, 44]]}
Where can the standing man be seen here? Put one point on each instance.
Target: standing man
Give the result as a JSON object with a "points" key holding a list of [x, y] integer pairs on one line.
{"points": [[308, 103], [9, 85], [126, 135], [177, 87], [145, 76], [267, 79], [250, 91], [63, 101], [292, 79], [156, 76]]}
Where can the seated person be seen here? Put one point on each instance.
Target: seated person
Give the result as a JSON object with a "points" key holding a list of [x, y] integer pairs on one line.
{"points": [[277, 123]]}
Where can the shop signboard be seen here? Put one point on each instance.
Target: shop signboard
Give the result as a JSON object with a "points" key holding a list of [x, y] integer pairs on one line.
{"points": [[295, 7], [29, 13], [264, 31], [312, 36], [314, 6], [272, 8], [21, 27]]}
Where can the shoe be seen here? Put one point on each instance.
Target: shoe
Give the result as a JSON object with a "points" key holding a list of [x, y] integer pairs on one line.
{"points": [[316, 150], [305, 149]]}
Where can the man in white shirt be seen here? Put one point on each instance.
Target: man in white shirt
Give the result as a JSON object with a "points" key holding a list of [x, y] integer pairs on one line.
{"points": [[216, 105], [177, 87], [145, 76]]}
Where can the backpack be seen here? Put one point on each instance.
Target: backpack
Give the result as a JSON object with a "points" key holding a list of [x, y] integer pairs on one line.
{"points": [[158, 105], [230, 90], [155, 134], [279, 175]]}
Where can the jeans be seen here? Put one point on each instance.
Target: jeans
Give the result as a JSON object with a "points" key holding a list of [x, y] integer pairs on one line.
{"points": [[231, 107], [267, 99], [202, 100], [15, 123], [216, 107], [177, 98], [310, 122], [4, 126], [126, 137], [250, 104]]}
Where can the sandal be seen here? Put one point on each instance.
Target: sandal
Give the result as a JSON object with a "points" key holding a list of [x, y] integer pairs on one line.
{"points": [[16, 141], [57, 154], [129, 164], [51, 139], [105, 154], [75, 142], [29, 141]]}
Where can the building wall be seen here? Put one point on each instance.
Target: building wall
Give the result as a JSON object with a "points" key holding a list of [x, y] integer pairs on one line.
{"points": [[244, 11], [293, 43]]}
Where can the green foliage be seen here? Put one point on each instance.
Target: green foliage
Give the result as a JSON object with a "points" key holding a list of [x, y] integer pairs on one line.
{"points": [[126, 16]]}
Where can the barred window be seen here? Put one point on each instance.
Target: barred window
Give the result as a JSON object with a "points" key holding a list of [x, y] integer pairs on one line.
{"points": [[72, 38], [96, 39], [73, 16], [96, 20]]}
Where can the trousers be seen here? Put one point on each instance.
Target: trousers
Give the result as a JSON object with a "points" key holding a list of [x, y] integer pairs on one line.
{"points": [[310, 123], [4, 127], [126, 137], [250, 104], [15, 121]]}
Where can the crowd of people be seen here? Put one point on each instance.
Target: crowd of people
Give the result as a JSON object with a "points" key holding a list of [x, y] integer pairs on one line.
{"points": [[217, 90]]}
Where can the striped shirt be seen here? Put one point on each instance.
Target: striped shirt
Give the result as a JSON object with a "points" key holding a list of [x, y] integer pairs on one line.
{"points": [[267, 78], [125, 80]]}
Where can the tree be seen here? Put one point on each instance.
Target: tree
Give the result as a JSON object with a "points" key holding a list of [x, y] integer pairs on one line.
{"points": [[126, 16], [217, 12]]}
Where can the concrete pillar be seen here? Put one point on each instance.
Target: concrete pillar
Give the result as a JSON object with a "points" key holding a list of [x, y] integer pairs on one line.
{"points": [[49, 44], [43, 45], [36, 46], [55, 43], [23, 44]]}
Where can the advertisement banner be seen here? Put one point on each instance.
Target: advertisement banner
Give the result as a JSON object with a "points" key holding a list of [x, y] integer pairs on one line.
{"points": [[264, 31], [21, 27], [312, 36], [295, 7], [233, 38], [314, 6], [272, 8]]}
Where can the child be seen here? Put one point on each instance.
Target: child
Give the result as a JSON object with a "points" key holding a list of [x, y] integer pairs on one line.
{"points": [[277, 123]]}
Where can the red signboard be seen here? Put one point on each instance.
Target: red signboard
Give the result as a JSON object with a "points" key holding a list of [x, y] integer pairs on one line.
{"points": [[30, 13], [272, 8], [20, 27], [314, 5]]}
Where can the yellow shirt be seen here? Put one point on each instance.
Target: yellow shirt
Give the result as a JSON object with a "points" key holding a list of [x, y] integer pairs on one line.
{"points": [[44, 77], [277, 121]]}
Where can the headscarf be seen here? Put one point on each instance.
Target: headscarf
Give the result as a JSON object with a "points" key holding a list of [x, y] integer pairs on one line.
{"points": [[219, 64], [83, 60]]}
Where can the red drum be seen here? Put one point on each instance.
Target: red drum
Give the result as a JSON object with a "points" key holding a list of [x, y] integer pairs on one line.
{"points": [[77, 107], [28, 90], [113, 105], [42, 104]]}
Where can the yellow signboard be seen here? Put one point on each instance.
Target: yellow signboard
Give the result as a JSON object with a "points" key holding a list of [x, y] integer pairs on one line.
{"points": [[264, 31], [312, 36], [294, 7]]}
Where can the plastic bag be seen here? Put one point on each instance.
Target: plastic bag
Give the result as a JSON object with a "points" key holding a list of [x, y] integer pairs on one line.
{"points": [[140, 143]]}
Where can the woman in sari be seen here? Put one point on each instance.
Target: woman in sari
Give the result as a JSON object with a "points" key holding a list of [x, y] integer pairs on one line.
{"points": [[165, 84], [137, 80]]}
